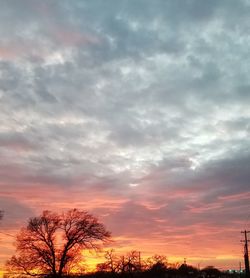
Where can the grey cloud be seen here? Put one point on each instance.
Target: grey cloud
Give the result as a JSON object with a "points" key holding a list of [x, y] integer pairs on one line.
{"points": [[16, 141], [108, 94], [131, 217], [15, 213]]}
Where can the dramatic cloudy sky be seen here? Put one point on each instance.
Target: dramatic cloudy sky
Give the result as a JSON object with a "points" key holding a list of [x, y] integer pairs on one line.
{"points": [[136, 110]]}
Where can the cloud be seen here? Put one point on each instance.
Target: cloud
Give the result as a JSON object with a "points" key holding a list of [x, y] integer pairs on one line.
{"points": [[97, 96], [15, 213]]}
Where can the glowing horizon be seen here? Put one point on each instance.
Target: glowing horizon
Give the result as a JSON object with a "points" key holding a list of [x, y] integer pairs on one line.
{"points": [[220, 257]]}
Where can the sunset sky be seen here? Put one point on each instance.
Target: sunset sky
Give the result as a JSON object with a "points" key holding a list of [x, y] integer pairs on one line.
{"points": [[135, 110]]}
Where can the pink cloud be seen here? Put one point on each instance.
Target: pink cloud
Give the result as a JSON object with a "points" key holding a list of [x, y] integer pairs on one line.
{"points": [[73, 38], [172, 221], [7, 53]]}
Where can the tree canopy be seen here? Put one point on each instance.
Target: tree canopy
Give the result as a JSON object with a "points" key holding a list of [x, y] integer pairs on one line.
{"points": [[52, 242]]}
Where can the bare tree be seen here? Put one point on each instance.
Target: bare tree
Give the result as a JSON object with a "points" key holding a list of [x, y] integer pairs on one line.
{"points": [[112, 262], [130, 262], [156, 261], [52, 242]]}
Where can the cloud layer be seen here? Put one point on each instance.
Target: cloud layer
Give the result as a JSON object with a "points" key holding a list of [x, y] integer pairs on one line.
{"points": [[135, 110]]}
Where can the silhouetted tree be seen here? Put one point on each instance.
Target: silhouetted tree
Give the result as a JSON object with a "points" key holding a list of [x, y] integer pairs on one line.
{"points": [[120, 264], [187, 270], [52, 242], [157, 261], [131, 262], [211, 272], [156, 265], [111, 264]]}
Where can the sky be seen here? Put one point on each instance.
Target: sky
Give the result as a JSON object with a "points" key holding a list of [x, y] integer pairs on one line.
{"points": [[137, 111]]}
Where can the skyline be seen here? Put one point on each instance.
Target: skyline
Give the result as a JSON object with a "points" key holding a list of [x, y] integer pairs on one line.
{"points": [[136, 111]]}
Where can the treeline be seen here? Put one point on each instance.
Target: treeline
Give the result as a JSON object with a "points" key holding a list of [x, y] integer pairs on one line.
{"points": [[132, 265], [51, 245]]}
